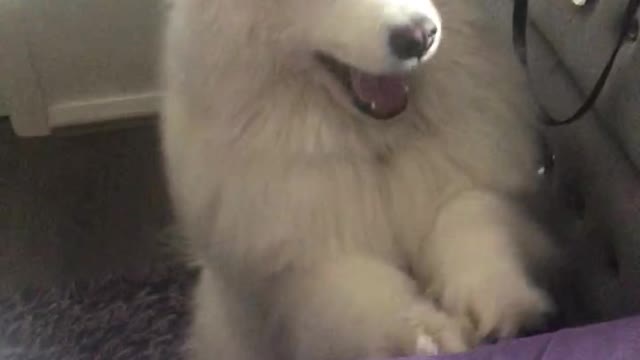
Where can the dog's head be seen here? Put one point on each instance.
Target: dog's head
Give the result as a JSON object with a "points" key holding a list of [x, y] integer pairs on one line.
{"points": [[367, 46]]}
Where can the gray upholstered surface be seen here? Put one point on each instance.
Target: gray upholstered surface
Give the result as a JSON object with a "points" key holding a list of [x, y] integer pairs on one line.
{"points": [[584, 39], [595, 175], [599, 157]]}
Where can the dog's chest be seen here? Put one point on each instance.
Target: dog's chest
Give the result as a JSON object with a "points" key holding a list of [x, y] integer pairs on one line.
{"points": [[417, 183]]}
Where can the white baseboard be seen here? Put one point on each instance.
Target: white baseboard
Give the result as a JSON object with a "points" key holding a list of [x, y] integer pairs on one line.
{"points": [[102, 110]]}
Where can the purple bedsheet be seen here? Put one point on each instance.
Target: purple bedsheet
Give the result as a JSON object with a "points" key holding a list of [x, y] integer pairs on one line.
{"points": [[618, 340]]}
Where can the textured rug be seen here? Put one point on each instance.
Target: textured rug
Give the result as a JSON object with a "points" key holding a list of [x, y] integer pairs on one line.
{"points": [[119, 317]]}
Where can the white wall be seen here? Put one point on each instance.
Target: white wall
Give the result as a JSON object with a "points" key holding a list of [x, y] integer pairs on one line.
{"points": [[80, 60]]}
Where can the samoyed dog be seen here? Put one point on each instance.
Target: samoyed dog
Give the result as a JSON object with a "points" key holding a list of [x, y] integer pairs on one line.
{"points": [[348, 173]]}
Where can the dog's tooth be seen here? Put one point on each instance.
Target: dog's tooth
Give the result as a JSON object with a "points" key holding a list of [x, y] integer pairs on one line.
{"points": [[373, 105], [406, 88]]}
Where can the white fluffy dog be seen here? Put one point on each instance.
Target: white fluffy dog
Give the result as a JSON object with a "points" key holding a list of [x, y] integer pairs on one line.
{"points": [[347, 172]]}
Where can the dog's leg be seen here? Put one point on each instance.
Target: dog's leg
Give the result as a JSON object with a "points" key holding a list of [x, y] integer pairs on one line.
{"points": [[475, 264], [356, 308], [222, 327]]}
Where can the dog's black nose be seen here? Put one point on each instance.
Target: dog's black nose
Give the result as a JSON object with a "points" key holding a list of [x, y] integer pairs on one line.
{"points": [[413, 41]]}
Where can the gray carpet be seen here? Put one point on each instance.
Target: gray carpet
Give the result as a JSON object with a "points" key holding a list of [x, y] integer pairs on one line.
{"points": [[117, 317], [74, 207], [86, 248]]}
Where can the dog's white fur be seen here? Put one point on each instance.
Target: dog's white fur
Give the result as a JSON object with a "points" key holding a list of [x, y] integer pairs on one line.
{"points": [[324, 234]]}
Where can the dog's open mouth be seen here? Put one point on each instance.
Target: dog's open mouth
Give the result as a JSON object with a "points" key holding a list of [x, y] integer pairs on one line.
{"points": [[379, 96]]}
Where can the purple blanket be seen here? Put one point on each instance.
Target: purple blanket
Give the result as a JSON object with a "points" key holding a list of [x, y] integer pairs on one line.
{"points": [[618, 340]]}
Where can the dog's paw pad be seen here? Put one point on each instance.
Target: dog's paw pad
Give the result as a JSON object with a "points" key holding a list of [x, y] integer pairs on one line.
{"points": [[504, 308], [426, 345]]}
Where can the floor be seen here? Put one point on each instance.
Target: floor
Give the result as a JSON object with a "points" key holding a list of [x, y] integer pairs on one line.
{"points": [[80, 206]]}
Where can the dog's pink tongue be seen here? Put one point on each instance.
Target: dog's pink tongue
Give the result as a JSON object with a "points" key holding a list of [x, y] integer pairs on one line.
{"points": [[386, 95]]}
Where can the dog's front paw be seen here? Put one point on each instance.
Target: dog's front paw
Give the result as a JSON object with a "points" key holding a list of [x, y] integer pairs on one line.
{"points": [[424, 330], [498, 305]]}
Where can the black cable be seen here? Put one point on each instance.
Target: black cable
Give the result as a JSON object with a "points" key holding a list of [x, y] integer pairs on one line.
{"points": [[520, 20]]}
